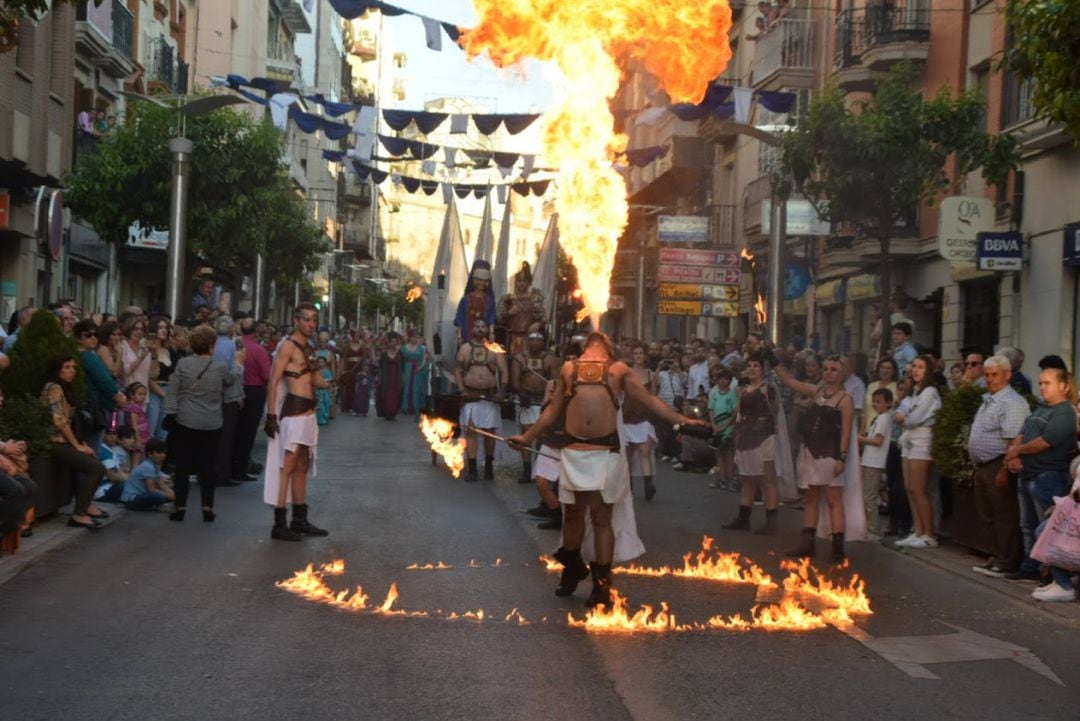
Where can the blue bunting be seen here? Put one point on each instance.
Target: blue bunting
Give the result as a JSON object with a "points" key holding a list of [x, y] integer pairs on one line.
{"points": [[350, 9], [776, 100]]}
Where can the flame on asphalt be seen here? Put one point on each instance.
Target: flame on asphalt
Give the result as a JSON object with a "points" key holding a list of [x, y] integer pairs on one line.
{"points": [[439, 433]]}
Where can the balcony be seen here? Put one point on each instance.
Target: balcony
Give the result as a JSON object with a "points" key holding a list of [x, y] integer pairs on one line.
{"points": [[1018, 118], [359, 242], [722, 226], [784, 56], [103, 37], [165, 72], [281, 61], [357, 192], [872, 39], [677, 173]]}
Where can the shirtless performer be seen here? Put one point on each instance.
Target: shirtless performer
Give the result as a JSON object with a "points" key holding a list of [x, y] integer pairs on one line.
{"points": [[478, 374], [291, 426], [594, 473], [529, 373]]}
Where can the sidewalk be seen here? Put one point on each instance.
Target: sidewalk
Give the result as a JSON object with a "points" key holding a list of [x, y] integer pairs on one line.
{"points": [[50, 535]]}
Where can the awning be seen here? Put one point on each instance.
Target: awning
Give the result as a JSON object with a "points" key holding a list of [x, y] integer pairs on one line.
{"points": [[864, 287], [829, 293]]}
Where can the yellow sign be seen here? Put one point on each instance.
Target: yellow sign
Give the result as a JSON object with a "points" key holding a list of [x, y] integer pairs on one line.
{"points": [[719, 309], [698, 291]]}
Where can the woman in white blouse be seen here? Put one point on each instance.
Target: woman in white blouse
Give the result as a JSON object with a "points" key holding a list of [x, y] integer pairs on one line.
{"points": [[915, 454]]}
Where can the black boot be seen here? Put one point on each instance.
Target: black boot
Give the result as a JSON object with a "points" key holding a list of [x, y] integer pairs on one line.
{"points": [[741, 522], [281, 530], [838, 548], [471, 475], [601, 587], [554, 521], [574, 571], [769, 529], [805, 548], [540, 510], [489, 468], [300, 522], [526, 473], [650, 489]]}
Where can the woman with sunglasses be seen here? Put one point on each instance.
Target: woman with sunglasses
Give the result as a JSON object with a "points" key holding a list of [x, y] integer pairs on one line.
{"points": [[823, 459]]}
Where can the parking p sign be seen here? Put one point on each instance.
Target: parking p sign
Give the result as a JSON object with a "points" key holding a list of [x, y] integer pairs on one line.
{"points": [[1000, 251]]}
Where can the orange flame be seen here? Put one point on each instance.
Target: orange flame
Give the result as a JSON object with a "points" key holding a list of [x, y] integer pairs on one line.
{"points": [[439, 434], [745, 254], [592, 42], [759, 309], [493, 346], [440, 566], [414, 293]]}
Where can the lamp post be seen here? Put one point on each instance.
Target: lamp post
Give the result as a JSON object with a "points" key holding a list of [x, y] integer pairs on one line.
{"points": [[181, 149]]}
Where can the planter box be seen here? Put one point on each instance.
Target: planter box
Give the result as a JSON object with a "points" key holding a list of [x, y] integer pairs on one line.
{"points": [[54, 485], [966, 529]]}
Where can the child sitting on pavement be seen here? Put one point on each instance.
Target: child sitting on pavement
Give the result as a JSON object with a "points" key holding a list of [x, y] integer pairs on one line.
{"points": [[115, 455], [874, 452], [146, 487]]}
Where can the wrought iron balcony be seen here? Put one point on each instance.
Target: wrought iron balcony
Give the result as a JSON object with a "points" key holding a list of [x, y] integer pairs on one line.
{"points": [[784, 55], [123, 28], [879, 35]]}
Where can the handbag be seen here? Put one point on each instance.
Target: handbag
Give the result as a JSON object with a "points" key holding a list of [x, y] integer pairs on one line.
{"points": [[1059, 542]]}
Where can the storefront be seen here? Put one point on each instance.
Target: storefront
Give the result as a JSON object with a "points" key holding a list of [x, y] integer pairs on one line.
{"points": [[832, 331], [864, 294]]}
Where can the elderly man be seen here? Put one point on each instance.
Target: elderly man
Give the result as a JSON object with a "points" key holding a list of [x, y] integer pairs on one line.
{"points": [[997, 422], [974, 373], [225, 352], [1019, 381]]}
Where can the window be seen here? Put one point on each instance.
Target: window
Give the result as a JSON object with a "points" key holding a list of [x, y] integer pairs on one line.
{"points": [[58, 73], [982, 86], [24, 54], [981, 313]]}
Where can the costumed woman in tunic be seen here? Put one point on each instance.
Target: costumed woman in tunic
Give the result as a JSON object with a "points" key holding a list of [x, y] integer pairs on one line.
{"points": [[478, 303], [388, 387], [826, 472], [756, 447], [416, 381], [355, 366], [324, 396], [520, 309], [638, 431]]}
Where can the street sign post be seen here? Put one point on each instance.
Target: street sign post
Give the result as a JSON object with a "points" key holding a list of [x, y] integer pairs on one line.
{"points": [[688, 256], [682, 228], [708, 309], [707, 274], [697, 291]]}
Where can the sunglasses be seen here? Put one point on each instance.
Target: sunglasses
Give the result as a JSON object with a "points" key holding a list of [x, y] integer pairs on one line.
{"points": [[973, 364]]}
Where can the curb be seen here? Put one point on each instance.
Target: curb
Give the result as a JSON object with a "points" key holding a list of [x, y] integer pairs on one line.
{"points": [[49, 535]]}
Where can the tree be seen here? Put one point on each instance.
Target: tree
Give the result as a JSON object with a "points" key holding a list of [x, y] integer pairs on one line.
{"points": [[868, 164], [1048, 53], [13, 12], [40, 340], [240, 200]]}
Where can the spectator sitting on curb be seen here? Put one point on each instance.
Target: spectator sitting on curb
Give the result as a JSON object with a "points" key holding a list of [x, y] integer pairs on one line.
{"points": [[146, 486], [115, 455]]}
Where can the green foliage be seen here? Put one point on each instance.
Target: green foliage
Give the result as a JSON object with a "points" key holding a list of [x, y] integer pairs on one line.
{"points": [[951, 427], [26, 418], [12, 12], [1046, 49], [240, 201], [40, 340]]}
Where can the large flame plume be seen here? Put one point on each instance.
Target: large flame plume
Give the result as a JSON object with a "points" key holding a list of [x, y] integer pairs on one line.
{"points": [[593, 42], [439, 434]]}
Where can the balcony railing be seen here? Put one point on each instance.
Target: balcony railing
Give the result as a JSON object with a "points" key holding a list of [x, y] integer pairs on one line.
{"points": [[879, 24], [164, 67], [123, 28], [787, 45]]}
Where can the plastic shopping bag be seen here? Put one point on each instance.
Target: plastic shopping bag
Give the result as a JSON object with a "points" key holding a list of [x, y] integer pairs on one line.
{"points": [[1059, 543]]}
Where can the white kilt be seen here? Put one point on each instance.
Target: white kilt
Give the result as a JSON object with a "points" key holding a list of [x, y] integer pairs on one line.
{"points": [[638, 432], [480, 414], [547, 468], [527, 415], [294, 431], [751, 462], [593, 470]]}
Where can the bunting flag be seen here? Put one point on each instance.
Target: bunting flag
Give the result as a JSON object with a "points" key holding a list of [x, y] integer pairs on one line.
{"points": [[640, 157], [500, 277], [545, 272], [428, 186], [716, 102], [312, 123], [351, 9]]}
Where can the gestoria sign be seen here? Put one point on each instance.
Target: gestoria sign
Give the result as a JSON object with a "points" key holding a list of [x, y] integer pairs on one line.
{"points": [[962, 219]]}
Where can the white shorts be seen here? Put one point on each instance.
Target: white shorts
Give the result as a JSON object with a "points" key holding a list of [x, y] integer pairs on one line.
{"points": [[527, 415], [593, 470], [915, 444], [638, 432], [547, 468], [752, 462], [817, 471], [480, 414], [299, 431]]}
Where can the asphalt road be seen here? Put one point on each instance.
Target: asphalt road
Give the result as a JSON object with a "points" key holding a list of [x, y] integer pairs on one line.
{"points": [[149, 619]]}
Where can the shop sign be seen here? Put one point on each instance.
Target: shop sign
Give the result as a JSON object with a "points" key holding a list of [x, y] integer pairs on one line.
{"points": [[687, 256], [616, 302], [153, 238], [796, 281], [697, 291], [861, 287], [802, 218], [829, 293], [1072, 244], [710, 274], [682, 228], [5, 208], [1000, 251], [721, 309], [962, 219]]}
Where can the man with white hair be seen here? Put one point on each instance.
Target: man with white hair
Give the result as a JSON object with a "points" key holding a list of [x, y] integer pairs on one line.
{"points": [[1018, 380], [997, 422]]}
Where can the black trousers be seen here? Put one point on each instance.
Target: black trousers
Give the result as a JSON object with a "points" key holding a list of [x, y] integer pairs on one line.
{"points": [[88, 472], [195, 453], [247, 427], [230, 413], [17, 496]]}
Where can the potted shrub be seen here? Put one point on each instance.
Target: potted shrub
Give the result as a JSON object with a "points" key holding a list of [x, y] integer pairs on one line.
{"points": [[951, 429]]}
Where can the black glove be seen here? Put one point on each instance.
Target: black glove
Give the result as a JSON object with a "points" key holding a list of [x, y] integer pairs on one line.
{"points": [[271, 426]]}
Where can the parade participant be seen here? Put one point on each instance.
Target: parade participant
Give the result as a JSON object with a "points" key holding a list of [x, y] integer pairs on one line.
{"points": [[416, 377], [639, 433], [354, 379], [388, 387], [478, 374], [594, 475], [530, 372], [548, 469], [478, 301], [519, 310], [291, 427], [823, 462], [755, 447]]}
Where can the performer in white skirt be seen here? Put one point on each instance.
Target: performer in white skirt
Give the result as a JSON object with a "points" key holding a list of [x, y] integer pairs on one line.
{"points": [[825, 469], [530, 372], [638, 431], [593, 475], [478, 374]]}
